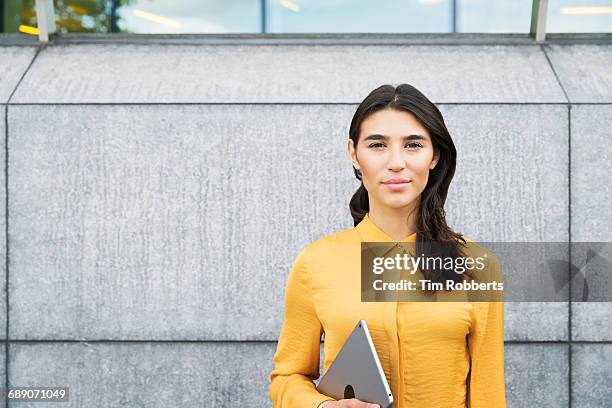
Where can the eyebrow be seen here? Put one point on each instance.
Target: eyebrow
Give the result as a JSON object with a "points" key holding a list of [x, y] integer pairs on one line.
{"points": [[405, 138]]}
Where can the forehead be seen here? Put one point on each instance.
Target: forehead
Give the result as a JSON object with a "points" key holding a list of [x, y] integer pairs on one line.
{"points": [[393, 123]]}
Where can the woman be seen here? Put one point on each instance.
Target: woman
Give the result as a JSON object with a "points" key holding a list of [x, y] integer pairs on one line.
{"points": [[433, 354]]}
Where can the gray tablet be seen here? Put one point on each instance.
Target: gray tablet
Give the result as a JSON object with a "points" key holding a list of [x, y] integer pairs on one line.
{"points": [[356, 372]]}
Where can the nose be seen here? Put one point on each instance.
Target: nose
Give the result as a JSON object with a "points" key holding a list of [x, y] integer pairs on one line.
{"points": [[396, 161]]}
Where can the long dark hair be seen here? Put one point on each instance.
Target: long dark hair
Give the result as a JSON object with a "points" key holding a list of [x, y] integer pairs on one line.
{"points": [[434, 237]]}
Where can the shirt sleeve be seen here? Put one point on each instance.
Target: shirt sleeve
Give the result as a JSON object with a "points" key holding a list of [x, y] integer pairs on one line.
{"points": [[296, 361], [486, 383]]}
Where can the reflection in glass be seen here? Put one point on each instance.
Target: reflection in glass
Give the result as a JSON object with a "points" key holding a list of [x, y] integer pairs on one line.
{"points": [[140, 16], [70, 16], [499, 16], [308, 16], [579, 16], [354, 16], [190, 16]]}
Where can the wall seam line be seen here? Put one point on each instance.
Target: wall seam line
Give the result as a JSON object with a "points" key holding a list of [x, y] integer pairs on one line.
{"points": [[234, 341], [288, 103], [6, 226], [554, 73], [569, 255], [569, 228]]}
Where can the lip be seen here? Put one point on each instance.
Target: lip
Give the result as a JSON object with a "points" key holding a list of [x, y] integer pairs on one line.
{"points": [[397, 181], [396, 184]]}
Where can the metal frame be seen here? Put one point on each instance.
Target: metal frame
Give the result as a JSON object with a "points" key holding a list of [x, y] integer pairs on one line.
{"points": [[45, 16], [539, 10]]}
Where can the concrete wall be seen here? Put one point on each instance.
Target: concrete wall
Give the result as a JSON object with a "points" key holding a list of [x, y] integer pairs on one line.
{"points": [[158, 193]]}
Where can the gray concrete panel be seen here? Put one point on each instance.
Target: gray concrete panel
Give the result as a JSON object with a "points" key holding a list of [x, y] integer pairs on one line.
{"points": [[168, 222], [116, 73], [13, 63], [146, 374], [584, 70], [591, 191], [537, 375], [591, 375]]}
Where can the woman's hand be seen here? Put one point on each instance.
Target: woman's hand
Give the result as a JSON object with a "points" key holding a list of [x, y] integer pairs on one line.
{"points": [[349, 403]]}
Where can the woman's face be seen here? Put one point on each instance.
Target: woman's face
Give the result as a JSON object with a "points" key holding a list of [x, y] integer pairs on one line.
{"points": [[394, 154]]}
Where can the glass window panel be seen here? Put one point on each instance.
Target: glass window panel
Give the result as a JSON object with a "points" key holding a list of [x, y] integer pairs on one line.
{"points": [[493, 16], [141, 16], [353, 16], [309, 16], [579, 16], [190, 16], [70, 16]]}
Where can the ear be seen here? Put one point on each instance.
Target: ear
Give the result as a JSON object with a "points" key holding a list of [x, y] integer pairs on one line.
{"points": [[434, 161], [352, 153]]}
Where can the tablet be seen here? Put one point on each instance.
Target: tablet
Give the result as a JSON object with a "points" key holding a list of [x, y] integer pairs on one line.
{"points": [[356, 371]]}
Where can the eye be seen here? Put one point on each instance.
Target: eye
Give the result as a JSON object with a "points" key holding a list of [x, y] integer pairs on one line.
{"points": [[411, 145]]}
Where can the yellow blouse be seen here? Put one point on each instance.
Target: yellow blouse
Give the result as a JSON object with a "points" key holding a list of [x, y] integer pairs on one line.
{"points": [[433, 354]]}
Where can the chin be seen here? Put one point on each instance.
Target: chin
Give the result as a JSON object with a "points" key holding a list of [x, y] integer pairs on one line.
{"points": [[398, 202]]}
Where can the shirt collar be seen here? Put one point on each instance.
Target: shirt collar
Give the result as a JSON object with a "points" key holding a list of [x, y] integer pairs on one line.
{"points": [[370, 232]]}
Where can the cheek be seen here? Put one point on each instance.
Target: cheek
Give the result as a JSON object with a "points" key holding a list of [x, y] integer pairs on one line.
{"points": [[422, 171], [420, 166], [371, 165]]}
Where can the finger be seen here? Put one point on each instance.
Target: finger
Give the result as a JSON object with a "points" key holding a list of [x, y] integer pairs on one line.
{"points": [[355, 403]]}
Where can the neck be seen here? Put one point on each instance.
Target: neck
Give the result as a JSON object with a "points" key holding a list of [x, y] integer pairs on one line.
{"points": [[397, 223]]}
